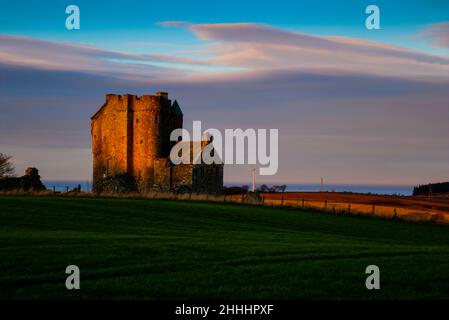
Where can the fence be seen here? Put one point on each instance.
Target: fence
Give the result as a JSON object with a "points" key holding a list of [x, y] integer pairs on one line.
{"points": [[335, 207], [339, 207]]}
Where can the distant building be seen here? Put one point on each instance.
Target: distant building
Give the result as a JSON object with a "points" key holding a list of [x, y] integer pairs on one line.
{"points": [[131, 147], [30, 181]]}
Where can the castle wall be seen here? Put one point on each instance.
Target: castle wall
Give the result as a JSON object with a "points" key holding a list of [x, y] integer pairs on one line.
{"points": [[110, 138], [146, 138], [182, 176], [127, 136], [131, 136], [162, 175], [207, 178]]}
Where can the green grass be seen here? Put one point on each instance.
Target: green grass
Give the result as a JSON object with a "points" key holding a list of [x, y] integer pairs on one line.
{"points": [[152, 249]]}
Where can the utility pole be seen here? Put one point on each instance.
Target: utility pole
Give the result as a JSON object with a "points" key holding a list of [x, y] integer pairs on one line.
{"points": [[321, 185], [253, 174]]}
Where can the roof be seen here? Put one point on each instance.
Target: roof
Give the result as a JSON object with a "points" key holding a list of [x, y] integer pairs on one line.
{"points": [[176, 108], [194, 157]]}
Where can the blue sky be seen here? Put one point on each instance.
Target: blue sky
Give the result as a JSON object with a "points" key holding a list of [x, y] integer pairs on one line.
{"points": [[352, 105], [115, 24]]}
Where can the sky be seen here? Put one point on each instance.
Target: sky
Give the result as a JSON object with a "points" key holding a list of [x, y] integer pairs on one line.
{"points": [[352, 105]]}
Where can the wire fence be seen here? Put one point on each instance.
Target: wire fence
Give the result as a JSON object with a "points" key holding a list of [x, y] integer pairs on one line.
{"points": [[347, 208], [407, 213], [343, 207]]}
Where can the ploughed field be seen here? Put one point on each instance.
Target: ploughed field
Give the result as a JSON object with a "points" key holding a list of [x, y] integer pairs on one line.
{"points": [[411, 208], [156, 249]]}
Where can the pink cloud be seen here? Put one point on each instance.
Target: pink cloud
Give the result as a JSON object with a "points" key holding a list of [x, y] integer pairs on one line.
{"points": [[259, 46], [173, 23], [438, 34], [228, 48], [52, 55]]}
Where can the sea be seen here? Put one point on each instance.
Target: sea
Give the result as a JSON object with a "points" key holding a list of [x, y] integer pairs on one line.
{"points": [[404, 190]]}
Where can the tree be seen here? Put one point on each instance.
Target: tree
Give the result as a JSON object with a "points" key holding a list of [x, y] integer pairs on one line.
{"points": [[279, 188], [6, 167]]}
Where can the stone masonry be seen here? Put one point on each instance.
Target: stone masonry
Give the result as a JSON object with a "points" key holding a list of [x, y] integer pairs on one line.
{"points": [[131, 147]]}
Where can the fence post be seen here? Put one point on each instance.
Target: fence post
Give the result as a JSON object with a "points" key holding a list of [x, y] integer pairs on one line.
{"points": [[349, 208], [243, 197], [374, 213], [303, 202], [282, 199], [263, 198], [395, 214], [325, 204]]}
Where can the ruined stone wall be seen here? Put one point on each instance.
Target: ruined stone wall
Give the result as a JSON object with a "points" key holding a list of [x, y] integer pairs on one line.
{"points": [[30, 181], [207, 178], [162, 175], [200, 178], [182, 177]]}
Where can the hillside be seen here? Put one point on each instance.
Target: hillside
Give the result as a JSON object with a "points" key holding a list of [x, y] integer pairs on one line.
{"points": [[153, 249]]}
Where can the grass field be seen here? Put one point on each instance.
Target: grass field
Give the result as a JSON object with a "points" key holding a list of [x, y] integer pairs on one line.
{"points": [[154, 249]]}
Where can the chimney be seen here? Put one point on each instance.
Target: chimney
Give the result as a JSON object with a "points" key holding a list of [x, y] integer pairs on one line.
{"points": [[162, 94]]}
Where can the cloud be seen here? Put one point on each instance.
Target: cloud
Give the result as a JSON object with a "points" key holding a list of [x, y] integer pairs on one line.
{"points": [[52, 55], [438, 34], [258, 46], [173, 23], [347, 109], [346, 127], [229, 47]]}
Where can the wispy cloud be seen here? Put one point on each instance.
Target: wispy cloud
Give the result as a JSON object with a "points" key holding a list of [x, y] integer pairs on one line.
{"points": [[233, 47], [258, 46], [52, 55], [438, 33], [173, 23], [348, 109]]}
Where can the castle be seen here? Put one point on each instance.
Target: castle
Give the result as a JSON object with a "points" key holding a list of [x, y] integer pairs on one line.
{"points": [[131, 148]]}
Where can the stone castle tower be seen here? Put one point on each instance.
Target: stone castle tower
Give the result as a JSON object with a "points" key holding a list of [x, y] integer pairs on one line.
{"points": [[131, 141]]}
